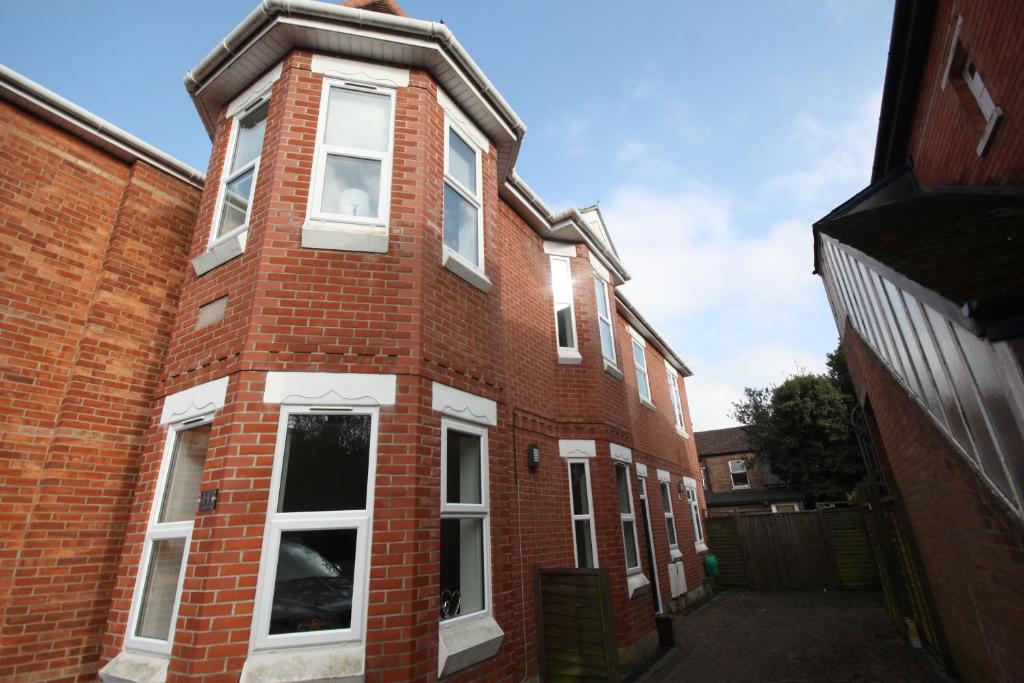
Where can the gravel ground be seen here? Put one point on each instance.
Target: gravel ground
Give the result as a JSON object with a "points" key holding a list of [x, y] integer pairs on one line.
{"points": [[791, 637]]}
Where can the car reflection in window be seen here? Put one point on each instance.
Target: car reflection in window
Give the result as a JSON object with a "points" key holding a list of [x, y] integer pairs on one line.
{"points": [[311, 592]]}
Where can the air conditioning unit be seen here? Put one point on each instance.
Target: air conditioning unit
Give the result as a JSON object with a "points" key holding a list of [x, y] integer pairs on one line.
{"points": [[676, 579]]}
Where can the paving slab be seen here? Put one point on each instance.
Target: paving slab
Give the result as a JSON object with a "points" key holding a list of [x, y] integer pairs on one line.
{"points": [[842, 637]]}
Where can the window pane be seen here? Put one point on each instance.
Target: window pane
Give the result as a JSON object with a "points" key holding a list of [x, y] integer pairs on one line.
{"points": [[313, 581], [462, 566], [463, 468], [326, 461], [666, 502], [561, 281], [602, 302], [629, 538], [638, 355], [235, 209], [358, 119], [161, 589], [622, 481], [580, 501], [460, 225], [584, 546], [249, 139], [606, 340], [671, 527], [461, 161], [351, 186], [563, 319], [642, 384], [185, 475]]}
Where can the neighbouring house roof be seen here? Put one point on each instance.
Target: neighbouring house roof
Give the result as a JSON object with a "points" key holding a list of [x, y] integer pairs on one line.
{"points": [[723, 441], [32, 97], [961, 251], [751, 496]]}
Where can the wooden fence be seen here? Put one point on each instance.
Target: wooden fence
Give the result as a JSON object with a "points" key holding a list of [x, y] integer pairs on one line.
{"points": [[575, 625], [810, 550]]}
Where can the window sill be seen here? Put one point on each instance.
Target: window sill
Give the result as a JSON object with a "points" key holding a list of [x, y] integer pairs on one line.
{"points": [[638, 584], [341, 663], [647, 404], [611, 369], [675, 553], [466, 271], [220, 253], [569, 357], [740, 488], [135, 667], [701, 546], [467, 642], [345, 236], [990, 129]]}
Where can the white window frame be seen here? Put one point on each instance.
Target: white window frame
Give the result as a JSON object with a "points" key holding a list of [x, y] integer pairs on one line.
{"points": [[677, 399], [277, 522], [476, 200], [464, 510], [601, 290], [629, 517], [565, 353], [590, 510], [775, 507], [704, 478], [229, 158], [322, 150], [732, 473], [698, 527], [670, 517], [643, 378], [157, 531]]}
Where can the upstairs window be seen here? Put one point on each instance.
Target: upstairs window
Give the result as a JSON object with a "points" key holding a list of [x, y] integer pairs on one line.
{"points": [[241, 168], [463, 198], [352, 164], [604, 320], [963, 74], [565, 310], [168, 536], [738, 472], [677, 401], [643, 384]]}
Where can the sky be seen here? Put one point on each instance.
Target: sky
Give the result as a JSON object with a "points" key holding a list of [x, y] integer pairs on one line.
{"points": [[712, 133]]}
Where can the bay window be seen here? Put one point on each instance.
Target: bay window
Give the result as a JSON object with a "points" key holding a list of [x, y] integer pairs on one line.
{"points": [[463, 198], [352, 164], [627, 519], [465, 532], [583, 534], [565, 309], [604, 320], [168, 536], [312, 584], [241, 168]]}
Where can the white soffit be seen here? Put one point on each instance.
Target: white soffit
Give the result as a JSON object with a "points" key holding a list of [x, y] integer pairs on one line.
{"points": [[356, 71], [461, 121], [621, 453], [254, 92], [330, 388], [577, 448], [464, 405], [195, 401]]}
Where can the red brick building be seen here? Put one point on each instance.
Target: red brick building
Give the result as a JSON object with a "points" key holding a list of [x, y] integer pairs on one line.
{"points": [[396, 380], [923, 272]]}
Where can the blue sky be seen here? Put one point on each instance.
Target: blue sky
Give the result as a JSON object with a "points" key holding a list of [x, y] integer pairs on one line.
{"points": [[713, 134]]}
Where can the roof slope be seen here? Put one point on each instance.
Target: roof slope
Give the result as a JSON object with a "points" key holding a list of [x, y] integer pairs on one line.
{"points": [[966, 247], [723, 441]]}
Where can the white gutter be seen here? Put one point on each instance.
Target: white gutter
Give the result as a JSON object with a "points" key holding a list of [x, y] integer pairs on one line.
{"points": [[65, 114]]}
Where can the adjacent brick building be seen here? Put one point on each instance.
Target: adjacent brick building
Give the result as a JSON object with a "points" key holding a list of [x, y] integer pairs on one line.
{"points": [[398, 382], [923, 273], [736, 480]]}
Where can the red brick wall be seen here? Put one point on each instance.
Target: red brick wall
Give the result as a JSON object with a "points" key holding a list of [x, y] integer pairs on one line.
{"points": [[946, 127], [295, 309], [90, 265], [971, 548]]}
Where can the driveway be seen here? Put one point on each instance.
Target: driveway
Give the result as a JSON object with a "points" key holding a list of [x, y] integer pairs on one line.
{"points": [[791, 636]]}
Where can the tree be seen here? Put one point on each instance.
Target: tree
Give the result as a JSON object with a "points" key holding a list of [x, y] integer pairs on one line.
{"points": [[802, 430]]}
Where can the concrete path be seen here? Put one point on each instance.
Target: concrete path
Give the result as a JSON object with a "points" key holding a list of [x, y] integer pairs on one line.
{"points": [[791, 637]]}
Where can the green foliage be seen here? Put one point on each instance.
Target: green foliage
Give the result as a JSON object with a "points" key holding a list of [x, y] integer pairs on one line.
{"points": [[802, 429]]}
